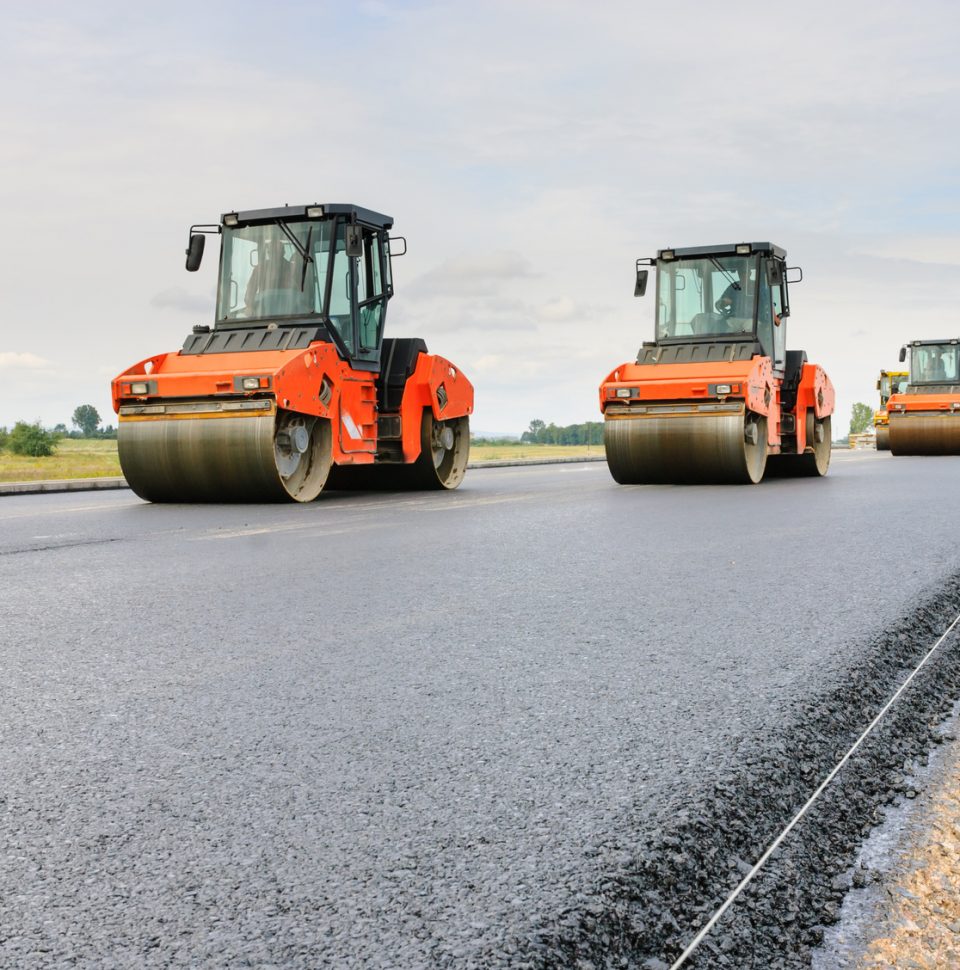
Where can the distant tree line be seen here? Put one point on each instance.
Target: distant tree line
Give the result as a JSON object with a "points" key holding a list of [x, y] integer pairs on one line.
{"points": [[32, 439], [588, 433], [540, 433]]}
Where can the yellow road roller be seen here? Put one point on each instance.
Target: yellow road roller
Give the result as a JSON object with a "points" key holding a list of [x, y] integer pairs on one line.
{"points": [[889, 382]]}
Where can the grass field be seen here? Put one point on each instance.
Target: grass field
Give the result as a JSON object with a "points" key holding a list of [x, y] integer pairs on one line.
{"points": [[91, 458], [74, 458], [513, 452]]}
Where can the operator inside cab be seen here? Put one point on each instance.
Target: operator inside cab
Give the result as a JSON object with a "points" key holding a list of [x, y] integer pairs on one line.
{"points": [[274, 285], [737, 299]]}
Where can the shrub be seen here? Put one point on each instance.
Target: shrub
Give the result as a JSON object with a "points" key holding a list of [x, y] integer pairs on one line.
{"points": [[32, 439]]}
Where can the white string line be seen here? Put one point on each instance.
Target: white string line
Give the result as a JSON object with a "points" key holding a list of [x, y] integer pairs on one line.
{"points": [[698, 939]]}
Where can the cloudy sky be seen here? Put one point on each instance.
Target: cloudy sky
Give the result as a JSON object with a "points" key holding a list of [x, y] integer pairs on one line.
{"points": [[529, 151]]}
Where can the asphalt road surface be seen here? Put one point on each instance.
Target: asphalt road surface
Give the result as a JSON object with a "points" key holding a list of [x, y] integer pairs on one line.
{"points": [[405, 730]]}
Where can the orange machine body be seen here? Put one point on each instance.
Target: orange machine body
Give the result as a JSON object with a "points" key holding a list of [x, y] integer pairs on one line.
{"points": [[916, 400], [751, 381], [313, 381]]}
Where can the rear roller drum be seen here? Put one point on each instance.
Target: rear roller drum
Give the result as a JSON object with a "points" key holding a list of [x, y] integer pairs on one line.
{"points": [[814, 461], [883, 438], [687, 448], [444, 451]]}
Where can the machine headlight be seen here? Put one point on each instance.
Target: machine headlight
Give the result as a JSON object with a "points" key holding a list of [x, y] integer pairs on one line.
{"points": [[667, 254], [723, 389], [743, 249], [139, 388], [315, 212], [251, 383], [624, 392], [231, 219]]}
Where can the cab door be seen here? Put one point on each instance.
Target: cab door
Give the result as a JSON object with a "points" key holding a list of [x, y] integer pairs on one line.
{"points": [[781, 310], [371, 297]]}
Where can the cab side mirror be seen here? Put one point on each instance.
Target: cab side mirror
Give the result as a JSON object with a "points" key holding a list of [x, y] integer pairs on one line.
{"points": [[354, 241], [195, 251], [878, 385], [903, 354], [641, 286]]}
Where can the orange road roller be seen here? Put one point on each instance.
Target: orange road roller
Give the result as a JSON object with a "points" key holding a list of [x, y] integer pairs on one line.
{"points": [[717, 397], [889, 382], [294, 388], [924, 419]]}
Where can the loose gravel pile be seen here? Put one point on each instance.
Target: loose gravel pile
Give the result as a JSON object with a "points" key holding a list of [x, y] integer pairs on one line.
{"points": [[646, 909]]}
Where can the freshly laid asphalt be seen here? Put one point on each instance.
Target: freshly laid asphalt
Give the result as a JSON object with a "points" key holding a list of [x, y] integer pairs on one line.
{"points": [[404, 730]]}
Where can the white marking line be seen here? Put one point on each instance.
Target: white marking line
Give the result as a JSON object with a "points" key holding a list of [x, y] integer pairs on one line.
{"points": [[63, 509], [698, 939], [320, 528], [313, 531]]}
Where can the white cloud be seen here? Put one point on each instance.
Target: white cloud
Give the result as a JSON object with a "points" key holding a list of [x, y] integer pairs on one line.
{"points": [[563, 308], [177, 298], [11, 360]]}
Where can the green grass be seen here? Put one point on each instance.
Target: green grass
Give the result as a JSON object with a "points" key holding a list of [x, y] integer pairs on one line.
{"points": [[97, 458], [514, 452], [73, 458]]}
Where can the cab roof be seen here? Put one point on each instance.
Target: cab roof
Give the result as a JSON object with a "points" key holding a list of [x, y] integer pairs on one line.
{"points": [[726, 249], [355, 213]]}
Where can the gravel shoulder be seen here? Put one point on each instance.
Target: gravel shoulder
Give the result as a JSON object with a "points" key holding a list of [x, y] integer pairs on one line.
{"points": [[903, 908]]}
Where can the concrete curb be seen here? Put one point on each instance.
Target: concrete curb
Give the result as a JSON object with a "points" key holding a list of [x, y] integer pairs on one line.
{"points": [[64, 485], [98, 484]]}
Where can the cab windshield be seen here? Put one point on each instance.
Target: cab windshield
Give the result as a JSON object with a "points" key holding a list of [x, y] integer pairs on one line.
{"points": [[934, 363], [273, 270], [710, 296]]}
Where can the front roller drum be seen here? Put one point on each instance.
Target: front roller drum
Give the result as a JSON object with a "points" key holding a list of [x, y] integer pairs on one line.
{"points": [[692, 447], [206, 456], [925, 434]]}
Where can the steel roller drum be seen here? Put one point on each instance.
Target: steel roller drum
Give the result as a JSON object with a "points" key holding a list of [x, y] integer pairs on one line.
{"points": [[925, 433], [685, 444], [445, 451], [815, 460], [196, 452], [883, 438]]}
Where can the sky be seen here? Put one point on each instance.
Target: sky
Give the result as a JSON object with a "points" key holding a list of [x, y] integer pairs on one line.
{"points": [[529, 152]]}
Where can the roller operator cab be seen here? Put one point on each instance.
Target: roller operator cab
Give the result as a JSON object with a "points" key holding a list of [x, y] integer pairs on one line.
{"points": [[924, 417], [890, 382], [294, 388], [716, 396]]}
